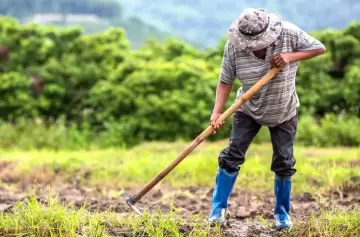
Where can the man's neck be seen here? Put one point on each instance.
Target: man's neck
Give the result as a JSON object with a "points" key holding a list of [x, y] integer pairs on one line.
{"points": [[260, 53]]}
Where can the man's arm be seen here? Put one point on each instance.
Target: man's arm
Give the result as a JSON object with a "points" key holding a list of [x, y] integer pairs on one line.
{"points": [[226, 79], [305, 47], [222, 94]]}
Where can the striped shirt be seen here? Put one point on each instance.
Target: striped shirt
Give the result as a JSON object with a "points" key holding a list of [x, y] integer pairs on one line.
{"points": [[277, 101]]}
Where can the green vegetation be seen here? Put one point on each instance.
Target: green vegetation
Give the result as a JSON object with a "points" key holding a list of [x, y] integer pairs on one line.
{"points": [[33, 218], [110, 118], [321, 169], [28, 134], [331, 223], [96, 86]]}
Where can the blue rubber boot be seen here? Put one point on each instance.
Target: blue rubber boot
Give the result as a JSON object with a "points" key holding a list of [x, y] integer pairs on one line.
{"points": [[282, 189], [223, 187]]}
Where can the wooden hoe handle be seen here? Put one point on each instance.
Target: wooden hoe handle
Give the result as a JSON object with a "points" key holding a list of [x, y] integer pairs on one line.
{"points": [[207, 132]]}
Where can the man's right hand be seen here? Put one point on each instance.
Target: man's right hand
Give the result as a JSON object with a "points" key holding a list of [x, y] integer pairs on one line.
{"points": [[213, 119]]}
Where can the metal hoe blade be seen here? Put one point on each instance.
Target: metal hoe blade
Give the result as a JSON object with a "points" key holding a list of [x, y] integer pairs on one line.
{"points": [[131, 204]]}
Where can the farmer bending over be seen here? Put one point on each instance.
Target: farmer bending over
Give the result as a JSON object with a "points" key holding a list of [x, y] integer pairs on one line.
{"points": [[257, 40]]}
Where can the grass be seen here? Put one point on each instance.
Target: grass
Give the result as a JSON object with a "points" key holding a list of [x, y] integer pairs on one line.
{"points": [[34, 218], [31, 218], [170, 225], [318, 169], [331, 223]]}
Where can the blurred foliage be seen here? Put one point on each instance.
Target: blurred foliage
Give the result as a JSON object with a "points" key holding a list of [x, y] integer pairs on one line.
{"points": [[163, 91]]}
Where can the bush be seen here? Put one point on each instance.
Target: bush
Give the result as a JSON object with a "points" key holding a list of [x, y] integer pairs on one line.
{"points": [[159, 92], [332, 130], [39, 134]]}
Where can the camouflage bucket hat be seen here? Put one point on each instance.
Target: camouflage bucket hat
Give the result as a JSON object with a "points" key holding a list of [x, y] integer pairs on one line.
{"points": [[255, 29]]}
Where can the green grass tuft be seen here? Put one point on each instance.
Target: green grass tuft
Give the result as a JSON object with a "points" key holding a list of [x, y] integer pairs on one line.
{"points": [[332, 223], [34, 219], [171, 224]]}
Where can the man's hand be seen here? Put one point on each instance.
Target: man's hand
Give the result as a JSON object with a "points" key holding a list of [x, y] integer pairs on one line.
{"points": [[281, 59], [213, 119]]}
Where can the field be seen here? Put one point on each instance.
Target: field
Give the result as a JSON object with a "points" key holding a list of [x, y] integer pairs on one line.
{"points": [[68, 193], [83, 117]]}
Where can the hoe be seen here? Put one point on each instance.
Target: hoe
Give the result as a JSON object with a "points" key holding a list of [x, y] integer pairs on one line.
{"points": [[131, 200]]}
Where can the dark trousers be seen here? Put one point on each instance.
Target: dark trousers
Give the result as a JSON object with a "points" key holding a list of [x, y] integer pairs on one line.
{"points": [[244, 129]]}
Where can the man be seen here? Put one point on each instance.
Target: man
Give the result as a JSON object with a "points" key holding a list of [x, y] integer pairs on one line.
{"points": [[257, 41]]}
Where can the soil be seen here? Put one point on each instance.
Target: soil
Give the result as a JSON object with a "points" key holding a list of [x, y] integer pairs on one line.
{"points": [[243, 212]]}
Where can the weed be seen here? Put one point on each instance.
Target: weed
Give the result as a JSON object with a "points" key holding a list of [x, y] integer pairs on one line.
{"points": [[34, 218], [333, 223]]}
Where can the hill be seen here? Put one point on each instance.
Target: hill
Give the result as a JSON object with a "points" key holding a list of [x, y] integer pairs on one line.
{"points": [[204, 22], [92, 15], [201, 23]]}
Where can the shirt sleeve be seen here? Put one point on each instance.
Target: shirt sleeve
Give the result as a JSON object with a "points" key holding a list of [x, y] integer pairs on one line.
{"points": [[305, 42], [228, 71]]}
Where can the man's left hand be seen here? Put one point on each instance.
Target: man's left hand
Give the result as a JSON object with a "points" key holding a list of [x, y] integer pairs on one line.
{"points": [[281, 59]]}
